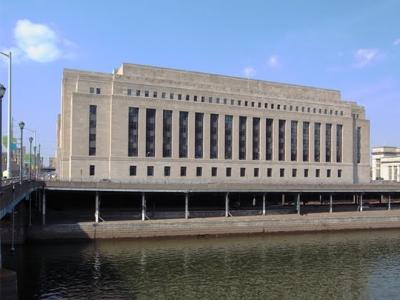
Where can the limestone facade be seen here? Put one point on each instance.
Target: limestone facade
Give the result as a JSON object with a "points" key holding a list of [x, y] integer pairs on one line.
{"points": [[150, 124], [386, 163]]}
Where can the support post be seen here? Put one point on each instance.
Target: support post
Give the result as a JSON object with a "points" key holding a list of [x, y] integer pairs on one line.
{"points": [[186, 206], [361, 203], [354, 199], [44, 208], [12, 230], [330, 203], [320, 199], [97, 208], [389, 202], [143, 206], [283, 199], [381, 200], [298, 204], [227, 205], [263, 203]]}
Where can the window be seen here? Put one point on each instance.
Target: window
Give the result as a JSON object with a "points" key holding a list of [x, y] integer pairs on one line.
{"points": [[137, 93], [167, 171], [167, 133], [306, 140], [278, 107], [339, 135], [154, 94], [259, 104], [281, 139], [228, 172], [339, 173], [225, 100], [256, 172], [150, 132], [268, 140], [213, 136], [199, 171], [209, 99], [183, 133], [242, 172], [187, 97], [132, 170], [163, 95], [213, 171], [146, 93], [317, 142], [328, 173], [293, 141], [282, 172], [195, 98], [294, 172], [305, 172], [265, 105], [171, 96], [92, 129], [228, 137], [133, 122], [269, 172], [150, 171], [202, 99], [217, 100], [252, 104], [272, 106], [179, 96], [317, 173], [91, 90], [232, 102], [91, 170], [198, 140], [98, 91], [183, 171], [242, 137], [328, 142], [129, 92], [256, 138], [246, 103]]}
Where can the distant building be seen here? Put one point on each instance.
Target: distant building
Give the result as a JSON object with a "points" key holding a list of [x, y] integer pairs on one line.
{"points": [[386, 163], [150, 124], [52, 162]]}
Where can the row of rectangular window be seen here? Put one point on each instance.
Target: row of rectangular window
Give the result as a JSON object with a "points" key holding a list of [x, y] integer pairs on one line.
{"points": [[246, 103]]}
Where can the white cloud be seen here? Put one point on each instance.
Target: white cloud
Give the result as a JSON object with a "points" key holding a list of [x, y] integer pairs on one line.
{"points": [[396, 42], [249, 72], [273, 61], [366, 56], [38, 42]]}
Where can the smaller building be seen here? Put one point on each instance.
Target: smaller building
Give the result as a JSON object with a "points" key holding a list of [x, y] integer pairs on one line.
{"points": [[386, 163]]}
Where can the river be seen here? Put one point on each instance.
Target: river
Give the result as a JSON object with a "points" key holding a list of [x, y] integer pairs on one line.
{"points": [[333, 265]]}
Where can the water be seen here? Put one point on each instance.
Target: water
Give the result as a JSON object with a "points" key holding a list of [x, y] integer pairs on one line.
{"points": [[344, 265]]}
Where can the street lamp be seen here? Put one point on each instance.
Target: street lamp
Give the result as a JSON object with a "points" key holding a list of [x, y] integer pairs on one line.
{"points": [[21, 162], [35, 161], [9, 139], [30, 157]]}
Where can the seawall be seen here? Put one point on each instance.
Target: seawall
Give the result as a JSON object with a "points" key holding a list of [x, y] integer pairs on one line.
{"points": [[217, 226]]}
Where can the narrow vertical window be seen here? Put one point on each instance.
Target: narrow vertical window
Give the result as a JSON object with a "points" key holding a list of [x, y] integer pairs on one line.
{"points": [[213, 136], [198, 141], [228, 137], [132, 170], [242, 137], [293, 141], [268, 140], [358, 145], [133, 122], [339, 142], [92, 129], [282, 139], [256, 138], [317, 142], [167, 133], [183, 134], [328, 142], [92, 170], [306, 140], [150, 132]]}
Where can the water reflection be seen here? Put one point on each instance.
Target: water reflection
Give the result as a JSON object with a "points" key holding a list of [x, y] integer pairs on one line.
{"points": [[355, 265]]}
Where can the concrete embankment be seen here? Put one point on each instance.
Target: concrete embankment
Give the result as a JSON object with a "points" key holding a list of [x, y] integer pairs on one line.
{"points": [[218, 226]]}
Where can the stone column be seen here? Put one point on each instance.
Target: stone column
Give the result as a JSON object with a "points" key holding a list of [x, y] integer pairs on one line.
{"points": [[175, 134], [206, 136], [221, 136], [235, 137], [263, 138], [191, 134], [159, 134], [249, 138], [142, 132], [275, 139]]}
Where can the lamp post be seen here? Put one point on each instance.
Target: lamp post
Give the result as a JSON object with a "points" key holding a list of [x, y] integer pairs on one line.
{"points": [[35, 161], [30, 157], [9, 139], [21, 162], [2, 91]]}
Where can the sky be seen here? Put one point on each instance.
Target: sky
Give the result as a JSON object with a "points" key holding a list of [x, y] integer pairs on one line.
{"points": [[351, 46]]}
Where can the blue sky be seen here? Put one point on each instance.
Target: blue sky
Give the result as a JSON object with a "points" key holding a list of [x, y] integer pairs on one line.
{"points": [[352, 46]]}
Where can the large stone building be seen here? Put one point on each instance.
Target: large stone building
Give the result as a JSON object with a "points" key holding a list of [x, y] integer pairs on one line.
{"points": [[386, 163], [150, 124]]}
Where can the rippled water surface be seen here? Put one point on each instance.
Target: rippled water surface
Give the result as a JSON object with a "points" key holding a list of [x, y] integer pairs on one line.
{"points": [[347, 265]]}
